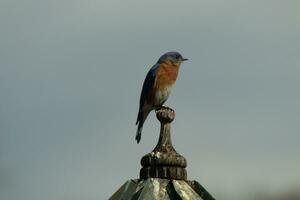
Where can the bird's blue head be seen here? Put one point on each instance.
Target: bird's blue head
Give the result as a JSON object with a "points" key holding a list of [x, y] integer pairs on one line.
{"points": [[172, 56]]}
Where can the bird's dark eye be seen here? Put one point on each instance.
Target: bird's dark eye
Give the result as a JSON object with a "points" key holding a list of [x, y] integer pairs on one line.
{"points": [[177, 57]]}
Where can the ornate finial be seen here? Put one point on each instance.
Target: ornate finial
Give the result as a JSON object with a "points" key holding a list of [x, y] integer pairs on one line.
{"points": [[163, 174], [164, 161]]}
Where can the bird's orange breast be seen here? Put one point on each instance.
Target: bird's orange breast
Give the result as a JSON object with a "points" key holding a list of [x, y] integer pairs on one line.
{"points": [[166, 74], [165, 79]]}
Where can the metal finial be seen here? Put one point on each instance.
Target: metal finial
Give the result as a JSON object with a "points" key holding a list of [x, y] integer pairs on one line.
{"points": [[164, 161]]}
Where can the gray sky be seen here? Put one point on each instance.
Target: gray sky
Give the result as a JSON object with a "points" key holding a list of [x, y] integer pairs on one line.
{"points": [[70, 79]]}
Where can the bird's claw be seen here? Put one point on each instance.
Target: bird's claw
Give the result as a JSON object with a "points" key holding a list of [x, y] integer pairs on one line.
{"points": [[157, 108]]}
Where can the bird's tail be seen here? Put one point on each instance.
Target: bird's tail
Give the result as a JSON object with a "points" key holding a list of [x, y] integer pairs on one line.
{"points": [[140, 122], [139, 132]]}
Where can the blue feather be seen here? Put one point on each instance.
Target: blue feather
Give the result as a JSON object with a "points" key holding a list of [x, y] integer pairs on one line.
{"points": [[147, 86]]}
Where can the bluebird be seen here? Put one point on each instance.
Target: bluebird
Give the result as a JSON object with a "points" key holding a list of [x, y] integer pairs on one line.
{"points": [[157, 86]]}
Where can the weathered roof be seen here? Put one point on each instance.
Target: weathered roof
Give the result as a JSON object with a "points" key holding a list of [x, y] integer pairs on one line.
{"points": [[161, 189]]}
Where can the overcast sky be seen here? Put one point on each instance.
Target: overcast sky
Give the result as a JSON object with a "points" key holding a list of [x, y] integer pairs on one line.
{"points": [[71, 73]]}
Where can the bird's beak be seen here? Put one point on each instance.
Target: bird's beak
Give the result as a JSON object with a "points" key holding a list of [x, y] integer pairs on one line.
{"points": [[184, 59]]}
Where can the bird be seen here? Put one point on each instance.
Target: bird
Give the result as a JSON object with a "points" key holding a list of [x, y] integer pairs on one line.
{"points": [[157, 86]]}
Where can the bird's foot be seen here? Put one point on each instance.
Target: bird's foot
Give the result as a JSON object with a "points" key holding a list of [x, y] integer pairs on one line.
{"points": [[157, 108]]}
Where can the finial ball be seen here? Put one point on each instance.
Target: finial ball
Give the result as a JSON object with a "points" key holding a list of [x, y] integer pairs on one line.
{"points": [[165, 115]]}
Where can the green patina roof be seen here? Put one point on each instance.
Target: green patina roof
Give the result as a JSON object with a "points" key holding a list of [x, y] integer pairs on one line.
{"points": [[161, 189]]}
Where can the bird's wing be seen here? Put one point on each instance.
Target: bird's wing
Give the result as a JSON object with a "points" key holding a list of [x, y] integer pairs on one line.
{"points": [[148, 85]]}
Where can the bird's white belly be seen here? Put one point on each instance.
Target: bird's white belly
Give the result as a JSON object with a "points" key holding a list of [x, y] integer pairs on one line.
{"points": [[162, 95]]}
